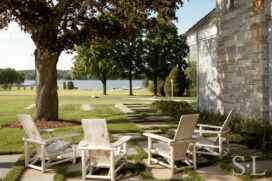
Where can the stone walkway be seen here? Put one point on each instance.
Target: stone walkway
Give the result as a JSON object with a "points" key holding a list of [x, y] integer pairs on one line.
{"points": [[6, 163]]}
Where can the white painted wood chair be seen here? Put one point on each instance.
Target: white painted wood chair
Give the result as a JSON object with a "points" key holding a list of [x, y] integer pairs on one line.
{"points": [[98, 152], [46, 150], [214, 147], [176, 149]]}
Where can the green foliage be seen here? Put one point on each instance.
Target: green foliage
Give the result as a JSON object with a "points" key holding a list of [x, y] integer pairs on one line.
{"points": [[160, 84], [175, 75], [70, 85], [145, 83], [251, 133], [61, 74], [164, 50], [191, 78], [64, 85]]}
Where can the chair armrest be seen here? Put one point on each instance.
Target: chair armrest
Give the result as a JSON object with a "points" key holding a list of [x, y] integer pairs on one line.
{"points": [[47, 131], [98, 148], [121, 141], [209, 126], [206, 131], [161, 138], [41, 142], [190, 140], [61, 137]]}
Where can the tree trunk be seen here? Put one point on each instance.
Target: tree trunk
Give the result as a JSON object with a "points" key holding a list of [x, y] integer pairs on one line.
{"points": [[47, 104], [155, 86], [130, 82], [104, 82]]}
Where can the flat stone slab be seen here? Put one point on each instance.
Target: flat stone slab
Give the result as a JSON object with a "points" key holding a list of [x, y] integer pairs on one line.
{"points": [[139, 108], [31, 106], [143, 145], [34, 175], [6, 163], [86, 107], [120, 135], [161, 172], [152, 131], [152, 124], [214, 173], [242, 150], [263, 179], [136, 120], [159, 118], [261, 166], [133, 115], [153, 114], [123, 108]]}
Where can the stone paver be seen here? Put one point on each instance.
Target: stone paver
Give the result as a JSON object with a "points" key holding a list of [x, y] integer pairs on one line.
{"points": [[263, 179], [160, 172], [261, 166], [152, 124], [120, 135], [242, 150], [152, 131], [159, 118], [153, 114], [123, 108], [6, 163], [214, 173], [133, 115], [143, 145], [139, 108], [34, 175], [31, 106], [136, 120], [86, 107]]}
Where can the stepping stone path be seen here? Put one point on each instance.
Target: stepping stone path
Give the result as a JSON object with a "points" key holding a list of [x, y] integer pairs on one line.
{"points": [[34, 175], [86, 107], [242, 150], [136, 120], [152, 124], [123, 108], [261, 166], [214, 173], [159, 118], [143, 145], [30, 107], [120, 135], [6, 163]]}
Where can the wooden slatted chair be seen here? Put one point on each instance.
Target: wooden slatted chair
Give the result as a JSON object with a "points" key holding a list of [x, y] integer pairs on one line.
{"points": [[175, 149], [46, 150], [214, 147], [98, 152]]}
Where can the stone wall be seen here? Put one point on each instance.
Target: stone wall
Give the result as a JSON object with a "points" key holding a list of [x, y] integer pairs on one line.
{"points": [[242, 50]]}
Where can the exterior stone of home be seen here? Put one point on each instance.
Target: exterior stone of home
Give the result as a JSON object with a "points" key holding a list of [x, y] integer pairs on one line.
{"points": [[239, 74]]}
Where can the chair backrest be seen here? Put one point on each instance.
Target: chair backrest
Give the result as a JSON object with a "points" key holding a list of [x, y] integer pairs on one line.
{"points": [[30, 129], [96, 134], [185, 130], [225, 125]]}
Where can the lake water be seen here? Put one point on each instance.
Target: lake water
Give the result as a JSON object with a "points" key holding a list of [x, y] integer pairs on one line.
{"points": [[94, 84]]}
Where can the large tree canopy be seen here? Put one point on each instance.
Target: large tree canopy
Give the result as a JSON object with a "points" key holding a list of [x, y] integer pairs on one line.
{"points": [[58, 25]]}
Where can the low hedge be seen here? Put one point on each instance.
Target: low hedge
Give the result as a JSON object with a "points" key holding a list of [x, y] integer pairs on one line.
{"points": [[251, 133]]}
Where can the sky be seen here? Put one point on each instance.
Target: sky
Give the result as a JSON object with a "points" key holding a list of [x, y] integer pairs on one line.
{"points": [[17, 48]]}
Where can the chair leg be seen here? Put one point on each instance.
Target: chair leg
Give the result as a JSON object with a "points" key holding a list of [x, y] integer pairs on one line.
{"points": [[149, 150], [112, 169], [26, 154], [83, 162], [228, 148], [194, 156], [172, 163], [74, 150], [43, 158], [220, 147]]}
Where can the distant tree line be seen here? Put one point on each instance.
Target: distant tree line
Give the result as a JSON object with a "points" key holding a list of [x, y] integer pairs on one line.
{"points": [[9, 76], [62, 74]]}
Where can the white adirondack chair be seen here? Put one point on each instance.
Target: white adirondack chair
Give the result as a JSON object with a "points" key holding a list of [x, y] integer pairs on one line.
{"points": [[101, 153], [175, 149], [46, 150], [208, 146]]}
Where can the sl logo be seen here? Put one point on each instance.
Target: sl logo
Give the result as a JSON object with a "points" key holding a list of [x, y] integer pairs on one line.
{"points": [[243, 170]]}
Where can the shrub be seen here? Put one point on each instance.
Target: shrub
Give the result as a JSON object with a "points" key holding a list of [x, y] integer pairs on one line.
{"points": [[31, 88], [191, 78], [18, 88], [5, 86], [177, 87], [24, 87], [70, 85], [64, 85], [160, 90], [251, 133], [9, 86]]}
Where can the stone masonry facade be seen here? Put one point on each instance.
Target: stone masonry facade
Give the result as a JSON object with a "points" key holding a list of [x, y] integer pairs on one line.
{"points": [[243, 57]]}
